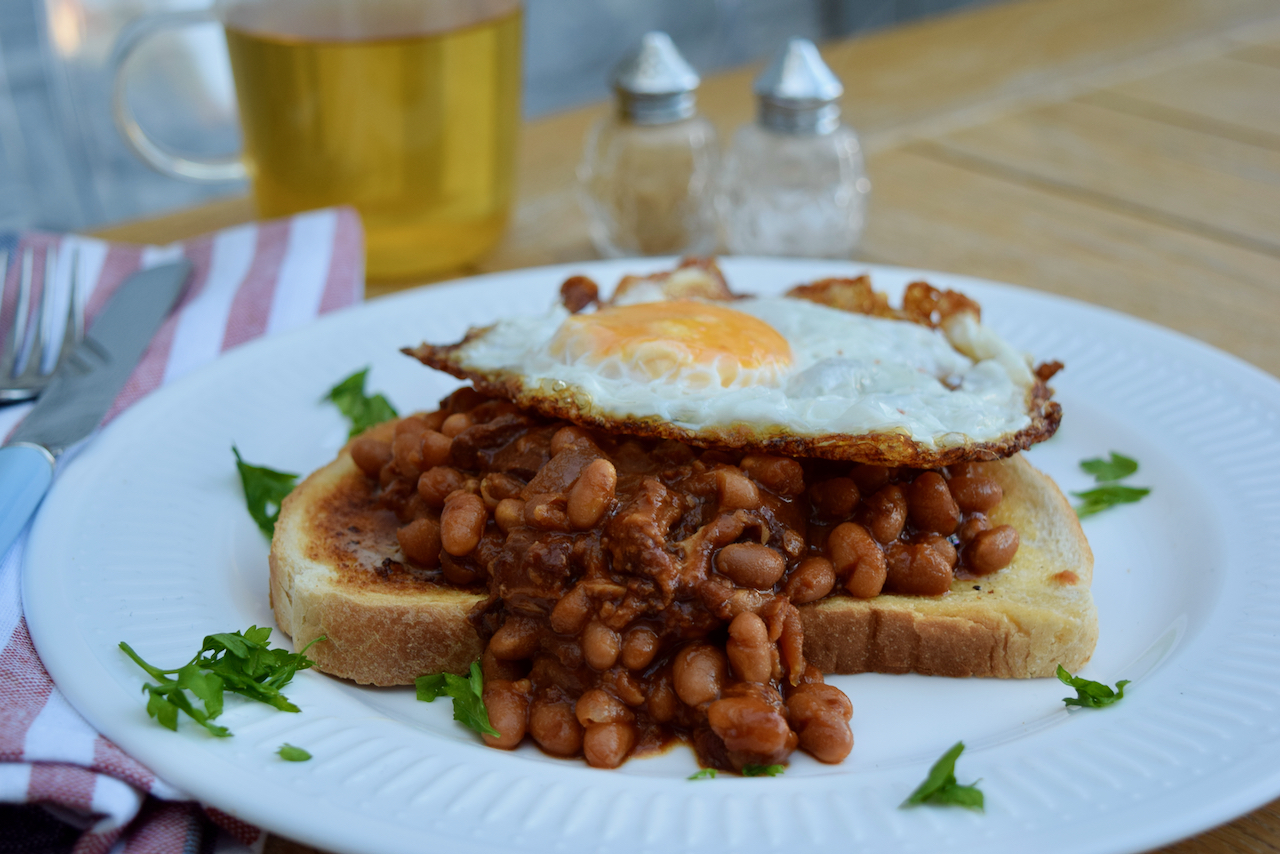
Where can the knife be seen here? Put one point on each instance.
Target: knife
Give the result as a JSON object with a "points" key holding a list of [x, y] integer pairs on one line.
{"points": [[82, 389]]}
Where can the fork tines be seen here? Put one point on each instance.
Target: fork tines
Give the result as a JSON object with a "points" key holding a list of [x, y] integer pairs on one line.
{"points": [[27, 335]]}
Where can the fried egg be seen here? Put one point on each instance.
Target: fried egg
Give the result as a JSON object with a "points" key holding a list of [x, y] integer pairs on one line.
{"points": [[780, 374]]}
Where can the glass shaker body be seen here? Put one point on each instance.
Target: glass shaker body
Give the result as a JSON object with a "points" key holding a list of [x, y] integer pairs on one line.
{"points": [[793, 194], [648, 189]]}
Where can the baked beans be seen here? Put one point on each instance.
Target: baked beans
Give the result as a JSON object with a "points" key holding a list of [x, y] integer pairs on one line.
{"points": [[971, 527], [554, 726], [644, 590], [975, 493], [435, 448], [835, 499], [598, 706], [507, 704], [751, 565], [779, 475], [435, 484], [600, 645], [736, 490], [750, 724], [698, 671], [930, 506], [370, 454], [591, 494], [516, 640], [812, 580], [750, 653], [455, 424], [991, 550], [606, 745], [462, 522], [420, 541], [915, 569], [497, 487], [639, 646], [820, 715], [406, 452], [570, 614], [509, 514], [886, 513], [858, 559]]}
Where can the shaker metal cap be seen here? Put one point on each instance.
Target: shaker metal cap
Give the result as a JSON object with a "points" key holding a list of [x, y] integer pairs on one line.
{"points": [[798, 92], [654, 83]]}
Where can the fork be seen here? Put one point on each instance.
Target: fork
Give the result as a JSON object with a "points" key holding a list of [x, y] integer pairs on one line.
{"points": [[31, 380]]}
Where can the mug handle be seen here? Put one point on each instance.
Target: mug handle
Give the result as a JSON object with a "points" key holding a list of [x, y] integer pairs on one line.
{"points": [[229, 168]]}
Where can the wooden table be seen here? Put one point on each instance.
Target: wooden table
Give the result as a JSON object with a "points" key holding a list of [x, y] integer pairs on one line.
{"points": [[1124, 153]]}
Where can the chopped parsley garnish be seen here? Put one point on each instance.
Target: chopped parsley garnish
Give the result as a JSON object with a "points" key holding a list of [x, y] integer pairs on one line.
{"points": [[362, 410], [240, 662], [703, 774], [289, 753], [762, 770], [467, 694], [1116, 468], [1106, 497], [1109, 493], [940, 787], [264, 489], [1090, 694]]}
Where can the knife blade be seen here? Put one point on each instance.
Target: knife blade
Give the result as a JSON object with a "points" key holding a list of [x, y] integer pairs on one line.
{"points": [[82, 389]]}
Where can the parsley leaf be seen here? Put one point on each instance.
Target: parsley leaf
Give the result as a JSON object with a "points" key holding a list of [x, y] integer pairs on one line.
{"points": [[466, 691], [703, 774], [1116, 468], [361, 410], [1110, 493], [1090, 694], [242, 663], [940, 787], [264, 489], [762, 770], [289, 753], [1103, 497]]}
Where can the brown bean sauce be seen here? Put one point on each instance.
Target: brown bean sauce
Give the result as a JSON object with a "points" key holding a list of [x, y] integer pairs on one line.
{"points": [[619, 569]]}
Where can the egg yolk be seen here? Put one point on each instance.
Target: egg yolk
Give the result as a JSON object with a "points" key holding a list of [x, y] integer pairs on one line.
{"points": [[699, 343]]}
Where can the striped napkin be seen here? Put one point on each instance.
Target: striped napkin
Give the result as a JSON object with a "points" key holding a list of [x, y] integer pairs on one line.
{"points": [[247, 281]]}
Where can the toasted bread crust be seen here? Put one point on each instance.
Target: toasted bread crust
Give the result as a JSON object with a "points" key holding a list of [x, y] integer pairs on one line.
{"points": [[384, 627], [388, 628], [1020, 622]]}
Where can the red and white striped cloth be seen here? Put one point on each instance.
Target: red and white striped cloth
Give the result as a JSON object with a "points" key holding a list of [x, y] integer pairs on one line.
{"points": [[247, 281]]}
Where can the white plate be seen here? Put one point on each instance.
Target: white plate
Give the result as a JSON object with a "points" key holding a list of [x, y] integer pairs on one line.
{"points": [[145, 539]]}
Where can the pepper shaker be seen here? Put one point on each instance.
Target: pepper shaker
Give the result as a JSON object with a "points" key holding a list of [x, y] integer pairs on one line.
{"points": [[647, 176], [794, 181]]}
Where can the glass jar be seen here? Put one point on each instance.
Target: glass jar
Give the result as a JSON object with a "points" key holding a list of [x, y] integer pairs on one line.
{"points": [[794, 194], [794, 182], [648, 172]]}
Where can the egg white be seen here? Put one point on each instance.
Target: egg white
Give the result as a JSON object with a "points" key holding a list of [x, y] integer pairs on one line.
{"points": [[850, 374]]}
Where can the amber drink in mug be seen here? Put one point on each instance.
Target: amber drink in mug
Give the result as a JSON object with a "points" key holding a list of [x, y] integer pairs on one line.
{"points": [[406, 109]]}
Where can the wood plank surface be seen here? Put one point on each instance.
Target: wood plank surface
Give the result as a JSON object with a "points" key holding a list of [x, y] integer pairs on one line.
{"points": [[933, 211], [1224, 90], [1123, 153], [1184, 179], [1263, 54]]}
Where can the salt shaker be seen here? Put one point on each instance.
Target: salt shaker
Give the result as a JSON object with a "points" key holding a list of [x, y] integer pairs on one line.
{"points": [[794, 182], [647, 176]]}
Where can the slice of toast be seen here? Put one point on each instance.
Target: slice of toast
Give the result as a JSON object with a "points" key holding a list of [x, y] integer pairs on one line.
{"points": [[1020, 622], [337, 570]]}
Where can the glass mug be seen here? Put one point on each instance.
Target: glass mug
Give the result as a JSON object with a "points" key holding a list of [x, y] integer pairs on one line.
{"points": [[406, 109]]}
